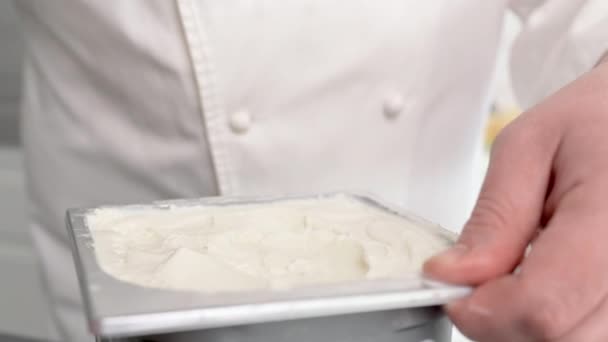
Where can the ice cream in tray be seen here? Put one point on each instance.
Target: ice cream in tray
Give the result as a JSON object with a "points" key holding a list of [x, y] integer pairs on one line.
{"points": [[216, 262]]}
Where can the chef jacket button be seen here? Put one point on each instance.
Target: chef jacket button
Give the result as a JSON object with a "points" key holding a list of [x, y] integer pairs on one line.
{"points": [[393, 105], [240, 121]]}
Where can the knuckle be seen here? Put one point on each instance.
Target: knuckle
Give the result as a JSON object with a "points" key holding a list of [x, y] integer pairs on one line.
{"points": [[543, 318], [504, 135], [491, 212], [517, 131], [542, 323], [528, 132]]}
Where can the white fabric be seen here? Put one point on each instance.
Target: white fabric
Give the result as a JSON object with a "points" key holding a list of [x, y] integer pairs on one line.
{"points": [[561, 39], [140, 100]]}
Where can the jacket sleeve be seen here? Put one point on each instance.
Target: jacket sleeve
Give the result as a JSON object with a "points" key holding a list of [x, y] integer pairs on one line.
{"points": [[559, 41]]}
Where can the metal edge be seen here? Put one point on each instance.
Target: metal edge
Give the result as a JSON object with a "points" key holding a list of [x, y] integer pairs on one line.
{"points": [[115, 326], [241, 315], [77, 257]]}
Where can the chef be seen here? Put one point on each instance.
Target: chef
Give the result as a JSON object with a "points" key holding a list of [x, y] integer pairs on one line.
{"points": [[133, 101]]}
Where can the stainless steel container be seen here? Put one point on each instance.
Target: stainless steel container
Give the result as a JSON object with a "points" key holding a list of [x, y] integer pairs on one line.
{"points": [[381, 311], [416, 325]]}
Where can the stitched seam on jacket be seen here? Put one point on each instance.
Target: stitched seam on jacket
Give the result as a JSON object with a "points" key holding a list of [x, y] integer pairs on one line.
{"points": [[212, 110]]}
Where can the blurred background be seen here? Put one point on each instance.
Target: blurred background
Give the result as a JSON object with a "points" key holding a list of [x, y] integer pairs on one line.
{"points": [[23, 310]]}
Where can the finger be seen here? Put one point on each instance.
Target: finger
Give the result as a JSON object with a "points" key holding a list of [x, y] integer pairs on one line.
{"points": [[561, 281], [509, 207], [593, 328]]}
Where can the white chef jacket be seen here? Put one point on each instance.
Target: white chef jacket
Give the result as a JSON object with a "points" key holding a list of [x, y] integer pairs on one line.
{"points": [[133, 101]]}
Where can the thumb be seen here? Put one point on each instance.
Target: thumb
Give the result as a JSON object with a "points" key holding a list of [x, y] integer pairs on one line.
{"points": [[509, 207]]}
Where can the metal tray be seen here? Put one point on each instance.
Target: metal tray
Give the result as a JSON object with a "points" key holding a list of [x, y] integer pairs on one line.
{"points": [[118, 309]]}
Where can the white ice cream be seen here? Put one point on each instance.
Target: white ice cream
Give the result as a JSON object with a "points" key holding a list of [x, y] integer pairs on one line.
{"points": [[279, 245]]}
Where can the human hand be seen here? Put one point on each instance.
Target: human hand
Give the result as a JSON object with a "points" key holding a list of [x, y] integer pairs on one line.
{"points": [[547, 185]]}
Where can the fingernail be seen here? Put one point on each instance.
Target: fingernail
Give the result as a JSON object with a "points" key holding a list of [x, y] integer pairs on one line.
{"points": [[452, 255], [464, 306]]}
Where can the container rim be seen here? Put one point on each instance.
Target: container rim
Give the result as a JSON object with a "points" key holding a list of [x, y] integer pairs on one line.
{"points": [[144, 310]]}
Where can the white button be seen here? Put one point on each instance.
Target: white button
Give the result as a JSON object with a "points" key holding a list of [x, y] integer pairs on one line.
{"points": [[240, 121], [393, 105]]}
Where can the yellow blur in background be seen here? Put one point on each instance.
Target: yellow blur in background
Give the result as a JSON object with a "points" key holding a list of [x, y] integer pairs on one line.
{"points": [[498, 120]]}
